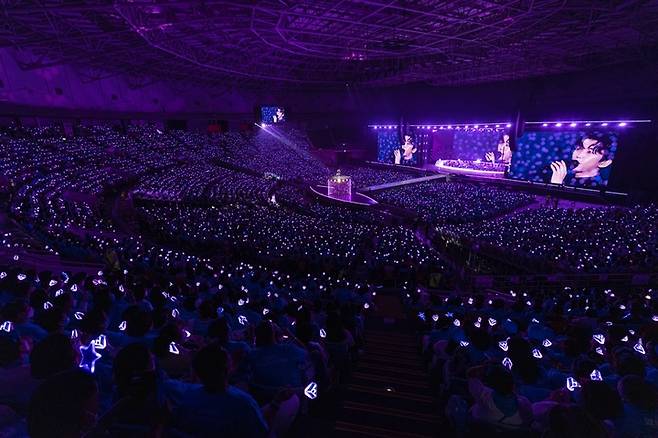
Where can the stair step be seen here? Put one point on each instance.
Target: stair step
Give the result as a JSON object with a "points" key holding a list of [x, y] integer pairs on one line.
{"points": [[356, 430], [380, 391], [386, 411], [388, 346], [374, 356], [420, 383], [401, 371]]}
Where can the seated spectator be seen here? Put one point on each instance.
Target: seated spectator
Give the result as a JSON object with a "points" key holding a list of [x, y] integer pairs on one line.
{"points": [[215, 408], [65, 405], [139, 408], [492, 388], [273, 366], [640, 401]]}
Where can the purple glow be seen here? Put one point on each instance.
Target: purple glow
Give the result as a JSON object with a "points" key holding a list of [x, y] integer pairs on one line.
{"points": [[509, 125], [544, 124], [622, 124], [588, 124], [604, 124], [311, 391], [572, 124], [558, 124], [88, 357], [572, 384]]}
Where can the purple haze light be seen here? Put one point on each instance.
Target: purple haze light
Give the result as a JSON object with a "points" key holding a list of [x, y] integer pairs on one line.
{"points": [[544, 124], [558, 124], [573, 124]]}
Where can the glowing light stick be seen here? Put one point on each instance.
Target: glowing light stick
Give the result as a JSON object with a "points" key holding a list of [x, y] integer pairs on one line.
{"points": [[311, 391]]}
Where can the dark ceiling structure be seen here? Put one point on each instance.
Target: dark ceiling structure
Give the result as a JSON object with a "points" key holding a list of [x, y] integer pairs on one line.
{"points": [[329, 43]]}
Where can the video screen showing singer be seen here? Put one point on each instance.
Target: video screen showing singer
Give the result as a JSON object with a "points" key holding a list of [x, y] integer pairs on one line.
{"points": [[504, 151], [405, 153], [590, 156]]}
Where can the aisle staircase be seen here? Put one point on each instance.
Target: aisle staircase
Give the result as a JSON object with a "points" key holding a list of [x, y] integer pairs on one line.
{"points": [[389, 393]]}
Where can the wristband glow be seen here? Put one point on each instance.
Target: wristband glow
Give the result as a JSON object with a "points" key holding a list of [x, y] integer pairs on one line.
{"points": [[6, 326], [311, 391], [572, 384], [88, 357]]}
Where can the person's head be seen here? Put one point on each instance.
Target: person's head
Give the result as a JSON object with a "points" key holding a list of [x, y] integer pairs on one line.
{"points": [[571, 421], [219, 330], [503, 143], [211, 365], [628, 363], [53, 354], [407, 139], [10, 351], [637, 392], [65, 405], [134, 371], [600, 400], [499, 379], [207, 309], [18, 311], [592, 153], [264, 334], [138, 321], [582, 367]]}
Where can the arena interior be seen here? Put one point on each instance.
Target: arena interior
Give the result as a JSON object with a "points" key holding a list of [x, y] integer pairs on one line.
{"points": [[328, 218]]}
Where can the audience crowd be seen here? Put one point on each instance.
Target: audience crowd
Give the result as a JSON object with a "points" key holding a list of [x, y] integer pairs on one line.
{"points": [[218, 295], [582, 240], [556, 362], [453, 203]]}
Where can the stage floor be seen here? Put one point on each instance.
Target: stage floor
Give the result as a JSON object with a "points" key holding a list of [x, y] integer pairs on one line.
{"points": [[357, 198]]}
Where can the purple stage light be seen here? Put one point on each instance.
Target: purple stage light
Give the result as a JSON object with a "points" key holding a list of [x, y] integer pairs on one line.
{"points": [[622, 124], [558, 124], [604, 124], [572, 124], [449, 126], [476, 126], [509, 125], [544, 124], [588, 124]]}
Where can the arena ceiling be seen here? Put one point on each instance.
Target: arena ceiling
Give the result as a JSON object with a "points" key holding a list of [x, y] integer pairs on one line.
{"points": [[327, 43]]}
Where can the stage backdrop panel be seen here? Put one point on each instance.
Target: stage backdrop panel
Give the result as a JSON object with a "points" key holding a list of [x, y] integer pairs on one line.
{"points": [[587, 155], [474, 145]]}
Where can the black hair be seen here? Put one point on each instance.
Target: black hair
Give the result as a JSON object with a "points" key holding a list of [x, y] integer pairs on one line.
{"points": [[52, 355], [59, 406], [133, 370], [211, 365], [601, 147]]}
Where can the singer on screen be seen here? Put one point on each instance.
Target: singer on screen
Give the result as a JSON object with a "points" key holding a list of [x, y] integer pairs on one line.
{"points": [[504, 151], [590, 156], [279, 116], [405, 154]]}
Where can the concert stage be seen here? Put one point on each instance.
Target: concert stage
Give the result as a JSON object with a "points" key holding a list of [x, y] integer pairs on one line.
{"points": [[476, 168], [356, 199]]}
